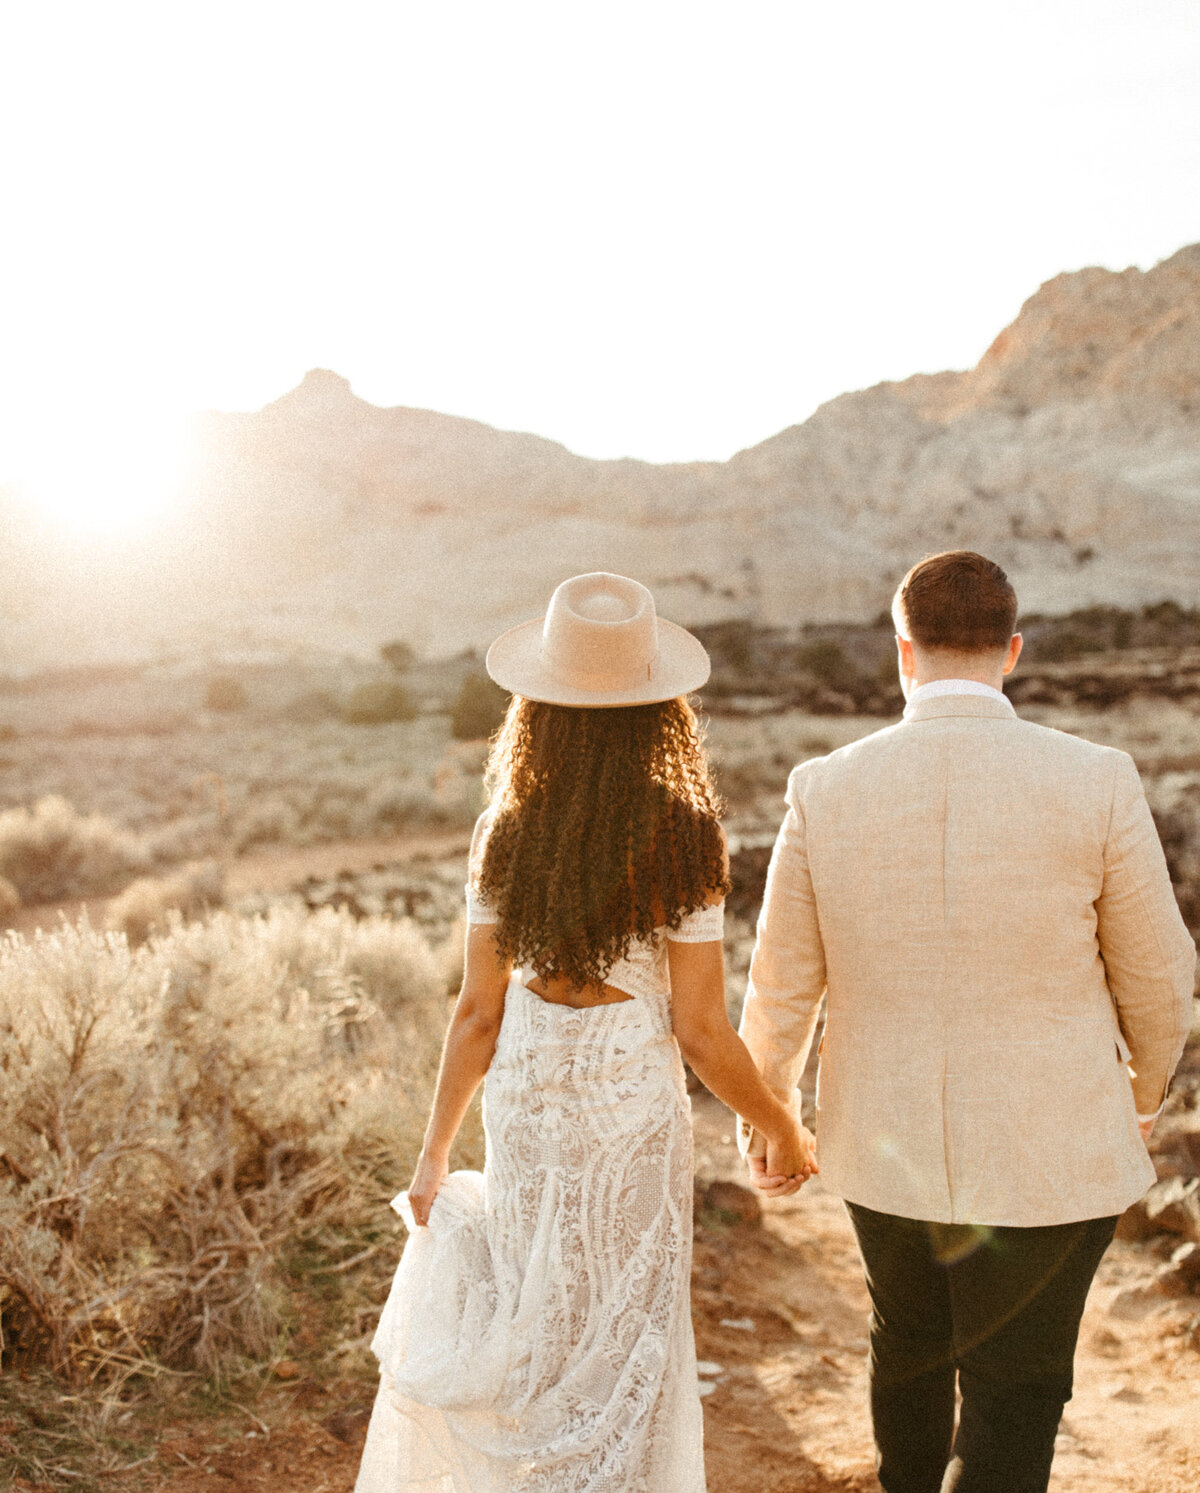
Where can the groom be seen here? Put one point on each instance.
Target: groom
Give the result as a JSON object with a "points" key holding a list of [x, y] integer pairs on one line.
{"points": [[984, 904]]}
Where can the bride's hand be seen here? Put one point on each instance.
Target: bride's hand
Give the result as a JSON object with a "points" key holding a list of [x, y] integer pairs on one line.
{"points": [[427, 1180], [790, 1161]]}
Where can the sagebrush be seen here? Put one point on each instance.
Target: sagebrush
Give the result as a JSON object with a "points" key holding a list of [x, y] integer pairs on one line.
{"points": [[175, 1118]]}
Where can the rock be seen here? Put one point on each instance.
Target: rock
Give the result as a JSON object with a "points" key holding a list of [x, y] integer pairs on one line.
{"points": [[1135, 1302], [707, 1369], [1134, 1225], [349, 1426], [731, 1198], [288, 1369], [710, 1278], [1173, 1205], [1171, 1281], [1186, 1260], [1127, 1395]]}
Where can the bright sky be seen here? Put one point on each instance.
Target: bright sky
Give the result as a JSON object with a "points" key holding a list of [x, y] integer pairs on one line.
{"points": [[664, 230]]}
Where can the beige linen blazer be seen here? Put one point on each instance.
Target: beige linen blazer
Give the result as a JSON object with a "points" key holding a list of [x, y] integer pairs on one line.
{"points": [[985, 905]]}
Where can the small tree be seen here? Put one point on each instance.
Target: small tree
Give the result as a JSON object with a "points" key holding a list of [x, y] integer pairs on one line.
{"points": [[314, 705], [225, 693], [379, 702], [398, 655], [478, 708], [825, 659]]}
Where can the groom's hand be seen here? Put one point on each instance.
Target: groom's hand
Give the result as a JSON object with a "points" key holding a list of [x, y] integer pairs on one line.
{"points": [[773, 1185]]}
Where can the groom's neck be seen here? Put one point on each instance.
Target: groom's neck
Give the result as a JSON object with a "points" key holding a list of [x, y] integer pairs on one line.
{"points": [[934, 664], [920, 666]]}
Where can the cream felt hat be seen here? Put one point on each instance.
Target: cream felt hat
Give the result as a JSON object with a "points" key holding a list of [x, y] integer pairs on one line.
{"points": [[601, 643]]}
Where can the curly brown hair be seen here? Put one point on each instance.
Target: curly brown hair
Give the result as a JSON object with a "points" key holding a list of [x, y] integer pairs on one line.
{"points": [[604, 825]]}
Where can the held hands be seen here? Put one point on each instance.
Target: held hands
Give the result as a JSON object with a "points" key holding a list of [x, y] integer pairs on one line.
{"points": [[427, 1180], [790, 1161]]}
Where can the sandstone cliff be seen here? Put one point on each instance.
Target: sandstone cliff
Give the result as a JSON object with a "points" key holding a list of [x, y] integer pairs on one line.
{"points": [[1070, 453]]}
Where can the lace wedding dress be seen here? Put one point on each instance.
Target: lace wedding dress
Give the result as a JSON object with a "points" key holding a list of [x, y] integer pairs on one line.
{"points": [[538, 1335]]}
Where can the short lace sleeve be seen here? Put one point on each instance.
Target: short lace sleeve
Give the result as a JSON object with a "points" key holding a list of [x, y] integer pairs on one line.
{"points": [[477, 909], [705, 925]]}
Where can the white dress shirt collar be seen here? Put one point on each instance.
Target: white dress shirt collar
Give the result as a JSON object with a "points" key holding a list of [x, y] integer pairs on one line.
{"points": [[938, 687]]}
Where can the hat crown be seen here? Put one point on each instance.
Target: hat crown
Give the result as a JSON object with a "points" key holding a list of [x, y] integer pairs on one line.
{"points": [[600, 633]]}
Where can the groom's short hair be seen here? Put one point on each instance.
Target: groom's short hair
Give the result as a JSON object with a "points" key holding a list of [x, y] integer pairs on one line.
{"points": [[958, 600]]}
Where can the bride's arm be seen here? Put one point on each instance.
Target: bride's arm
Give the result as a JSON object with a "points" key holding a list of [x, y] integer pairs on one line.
{"points": [[718, 1057], [466, 1054]]}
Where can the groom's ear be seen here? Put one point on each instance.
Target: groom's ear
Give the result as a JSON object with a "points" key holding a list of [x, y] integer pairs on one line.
{"points": [[905, 658], [1014, 652]]}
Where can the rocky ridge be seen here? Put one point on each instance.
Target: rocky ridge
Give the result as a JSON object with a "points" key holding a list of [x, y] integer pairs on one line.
{"points": [[1070, 453]]}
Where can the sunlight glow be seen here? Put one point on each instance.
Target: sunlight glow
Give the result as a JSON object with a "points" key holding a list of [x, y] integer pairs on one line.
{"points": [[104, 475], [665, 230]]}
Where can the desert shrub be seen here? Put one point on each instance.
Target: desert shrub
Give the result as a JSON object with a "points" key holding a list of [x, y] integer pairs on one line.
{"points": [[312, 706], [378, 702], [179, 1117], [1168, 615], [189, 838], [51, 851], [398, 655], [385, 960], [225, 693], [826, 660], [733, 646], [452, 956], [1175, 802], [1063, 645], [394, 802], [143, 907], [478, 708], [265, 821]]}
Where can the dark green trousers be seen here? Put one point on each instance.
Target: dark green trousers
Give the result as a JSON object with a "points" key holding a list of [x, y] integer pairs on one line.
{"points": [[993, 1310]]}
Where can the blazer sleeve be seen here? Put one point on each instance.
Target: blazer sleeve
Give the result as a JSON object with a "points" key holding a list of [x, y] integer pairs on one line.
{"points": [[1148, 954], [787, 969]]}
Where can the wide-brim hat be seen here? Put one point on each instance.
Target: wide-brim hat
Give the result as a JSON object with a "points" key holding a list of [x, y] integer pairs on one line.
{"points": [[601, 643]]}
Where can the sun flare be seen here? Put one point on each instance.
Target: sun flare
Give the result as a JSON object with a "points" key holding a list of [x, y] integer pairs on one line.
{"points": [[112, 479]]}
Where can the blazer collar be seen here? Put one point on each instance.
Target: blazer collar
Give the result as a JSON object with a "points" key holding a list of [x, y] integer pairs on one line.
{"points": [[978, 706]]}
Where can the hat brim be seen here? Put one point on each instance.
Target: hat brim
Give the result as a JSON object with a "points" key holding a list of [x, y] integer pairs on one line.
{"points": [[514, 661]]}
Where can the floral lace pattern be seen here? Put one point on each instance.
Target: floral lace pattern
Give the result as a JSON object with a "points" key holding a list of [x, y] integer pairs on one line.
{"points": [[538, 1335]]}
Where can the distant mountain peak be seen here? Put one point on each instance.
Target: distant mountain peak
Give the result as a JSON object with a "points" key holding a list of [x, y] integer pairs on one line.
{"points": [[321, 399], [324, 386]]}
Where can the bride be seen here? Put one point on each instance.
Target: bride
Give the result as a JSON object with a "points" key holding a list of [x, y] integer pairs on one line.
{"points": [[538, 1333]]}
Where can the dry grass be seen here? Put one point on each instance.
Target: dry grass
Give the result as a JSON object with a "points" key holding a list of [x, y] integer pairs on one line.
{"points": [[142, 803], [145, 906], [52, 852], [177, 1120]]}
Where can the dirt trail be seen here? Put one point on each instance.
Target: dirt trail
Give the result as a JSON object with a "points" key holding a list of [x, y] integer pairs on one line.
{"points": [[282, 867], [790, 1414], [781, 1309], [276, 868]]}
